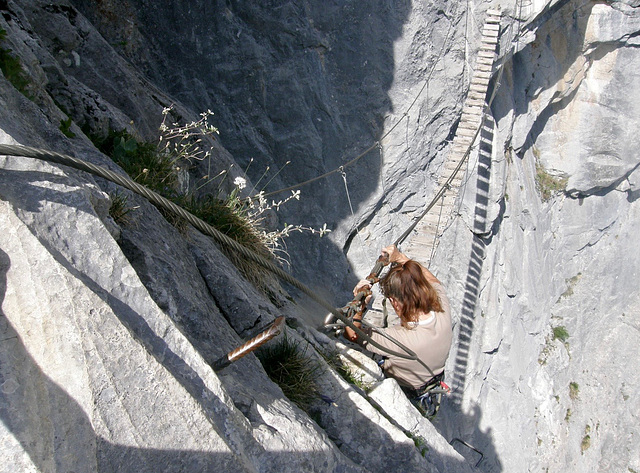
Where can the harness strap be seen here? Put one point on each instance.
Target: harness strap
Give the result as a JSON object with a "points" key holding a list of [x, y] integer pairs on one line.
{"points": [[426, 387]]}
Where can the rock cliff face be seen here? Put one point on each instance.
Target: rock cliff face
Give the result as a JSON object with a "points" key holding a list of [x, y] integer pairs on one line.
{"points": [[554, 311], [108, 331]]}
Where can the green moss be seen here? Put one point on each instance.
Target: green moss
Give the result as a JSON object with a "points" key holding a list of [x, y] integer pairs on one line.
{"points": [[65, 128], [547, 184], [574, 390], [571, 282], [419, 442], [12, 68], [346, 372], [544, 353], [560, 333]]}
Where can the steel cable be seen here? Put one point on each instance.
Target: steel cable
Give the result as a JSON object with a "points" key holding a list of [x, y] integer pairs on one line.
{"points": [[221, 238]]}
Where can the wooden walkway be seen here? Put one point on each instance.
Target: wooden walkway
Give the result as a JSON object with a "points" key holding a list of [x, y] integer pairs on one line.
{"points": [[428, 232]]}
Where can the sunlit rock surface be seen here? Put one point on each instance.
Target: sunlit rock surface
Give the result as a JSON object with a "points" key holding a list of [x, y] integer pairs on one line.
{"points": [[107, 331]]}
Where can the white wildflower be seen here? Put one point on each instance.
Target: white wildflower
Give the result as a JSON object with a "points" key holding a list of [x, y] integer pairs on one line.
{"points": [[240, 182], [324, 230]]}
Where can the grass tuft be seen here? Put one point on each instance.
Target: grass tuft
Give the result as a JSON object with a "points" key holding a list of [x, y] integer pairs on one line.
{"points": [[12, 68], [548, 185], [141, 161], [119, 209], [571, 283], [222, 216], [289, 366], [560, 333], [346, 372], [159, 166], [65, 128], [157, 170], [574, 390], [420, 443]]}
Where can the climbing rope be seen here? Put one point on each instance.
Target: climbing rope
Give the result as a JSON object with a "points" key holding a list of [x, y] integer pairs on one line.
{"points": [[435, 235], [221, 238], [346, 189]]}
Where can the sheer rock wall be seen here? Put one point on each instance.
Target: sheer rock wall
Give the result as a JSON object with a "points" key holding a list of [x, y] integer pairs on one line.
{"points": [[107, 331], [546, 284]]}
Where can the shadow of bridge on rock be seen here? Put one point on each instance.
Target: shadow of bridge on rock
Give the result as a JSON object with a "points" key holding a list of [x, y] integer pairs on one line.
{"points": [[452, 420], [476, 260]]}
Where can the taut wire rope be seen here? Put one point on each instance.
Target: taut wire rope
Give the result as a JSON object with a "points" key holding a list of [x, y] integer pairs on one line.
{"points": [[435, 236], [201, 225], [346, 189]]}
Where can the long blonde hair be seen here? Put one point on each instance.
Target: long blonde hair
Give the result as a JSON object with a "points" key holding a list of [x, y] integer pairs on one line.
{"points": [[407, 284]]}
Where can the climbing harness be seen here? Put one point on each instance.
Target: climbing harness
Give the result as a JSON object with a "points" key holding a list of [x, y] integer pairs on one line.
{"points": [[428, 397]]}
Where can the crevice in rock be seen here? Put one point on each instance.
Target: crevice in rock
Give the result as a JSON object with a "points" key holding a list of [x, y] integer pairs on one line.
{"points": [[603, 191], [494, 350], [211, 290]]}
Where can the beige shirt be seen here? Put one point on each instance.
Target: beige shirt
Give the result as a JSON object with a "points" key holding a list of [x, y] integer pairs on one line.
{"points": [[430, 341]]}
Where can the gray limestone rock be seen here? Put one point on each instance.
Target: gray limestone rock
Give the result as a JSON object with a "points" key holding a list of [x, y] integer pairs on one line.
{"points": [[108, 331]]}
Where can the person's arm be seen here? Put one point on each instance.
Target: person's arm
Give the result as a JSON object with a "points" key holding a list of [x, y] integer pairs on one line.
{"points": [[429, 276], [349, 333], [392, 253]]}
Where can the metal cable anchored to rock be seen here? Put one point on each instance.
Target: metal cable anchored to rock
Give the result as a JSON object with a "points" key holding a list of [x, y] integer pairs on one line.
{"points": [[221, 238], [256, 342]]}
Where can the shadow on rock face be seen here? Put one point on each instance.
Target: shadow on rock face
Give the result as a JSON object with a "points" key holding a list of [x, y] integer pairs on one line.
{"points": [[303, 84]]}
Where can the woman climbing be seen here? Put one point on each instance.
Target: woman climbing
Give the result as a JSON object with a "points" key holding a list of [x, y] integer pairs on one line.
{"points": [[420, 301]]}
